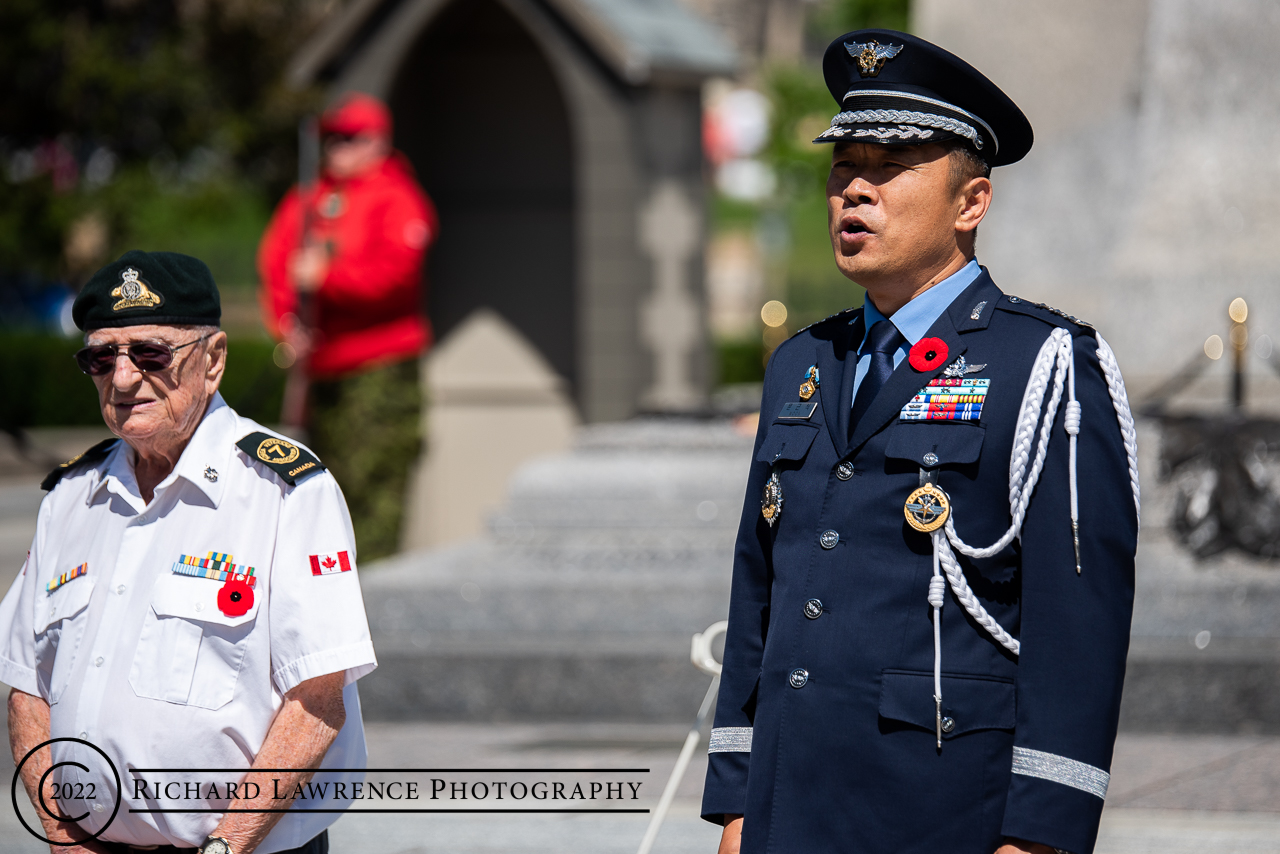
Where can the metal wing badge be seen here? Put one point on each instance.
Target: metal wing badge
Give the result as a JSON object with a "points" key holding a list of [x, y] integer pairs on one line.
{"points": [[872, 55]]}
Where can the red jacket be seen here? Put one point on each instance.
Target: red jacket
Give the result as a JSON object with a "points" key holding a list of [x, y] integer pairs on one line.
{"points": [[369, 308]]}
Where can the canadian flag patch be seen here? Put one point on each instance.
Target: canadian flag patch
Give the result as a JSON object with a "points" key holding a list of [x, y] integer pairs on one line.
{"points": [[328, 564]]}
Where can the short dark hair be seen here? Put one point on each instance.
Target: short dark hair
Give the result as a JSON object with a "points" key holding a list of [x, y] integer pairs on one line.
{"points": [[966, 164]]}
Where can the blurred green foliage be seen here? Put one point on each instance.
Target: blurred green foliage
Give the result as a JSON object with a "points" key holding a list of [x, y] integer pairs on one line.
{"points": [[791, 227], [835, 18], [41, 385], [167, 121], [740, 360]]}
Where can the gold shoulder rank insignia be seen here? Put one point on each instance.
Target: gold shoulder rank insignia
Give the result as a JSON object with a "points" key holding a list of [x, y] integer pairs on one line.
{"points": [[293, 463], [93, 455]]}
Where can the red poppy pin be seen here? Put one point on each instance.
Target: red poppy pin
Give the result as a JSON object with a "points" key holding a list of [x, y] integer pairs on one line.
{"points": [[235, 598], [928, 354]]}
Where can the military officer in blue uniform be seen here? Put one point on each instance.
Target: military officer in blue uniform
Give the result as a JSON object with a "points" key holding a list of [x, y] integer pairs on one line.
{"points": [[933, 579]]}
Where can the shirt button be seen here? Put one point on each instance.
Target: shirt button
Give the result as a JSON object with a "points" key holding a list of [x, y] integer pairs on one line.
{"points": [[120, 589], [844, 471], [199, 606], [829, 539], [97, 807], [948, 724], [799, 677], [813, 609], [83, 736], [97, 662], [931, 459]]}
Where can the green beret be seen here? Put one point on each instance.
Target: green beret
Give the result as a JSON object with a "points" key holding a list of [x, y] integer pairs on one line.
{"points": [[142, 288]]}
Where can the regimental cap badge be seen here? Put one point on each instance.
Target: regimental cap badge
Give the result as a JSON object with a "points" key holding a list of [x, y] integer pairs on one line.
{"points": [[134, 292], [872, 55]]}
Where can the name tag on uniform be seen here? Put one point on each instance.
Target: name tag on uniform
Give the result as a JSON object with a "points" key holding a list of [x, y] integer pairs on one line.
{"points": [[947, 399], [797, 411]]}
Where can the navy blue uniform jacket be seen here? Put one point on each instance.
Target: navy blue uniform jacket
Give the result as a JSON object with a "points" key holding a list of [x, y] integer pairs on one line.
{"points": [[848, 761]]}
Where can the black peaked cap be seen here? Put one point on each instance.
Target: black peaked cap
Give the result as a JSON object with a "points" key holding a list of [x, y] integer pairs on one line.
{"points": [[141, 288], [896, 88]]}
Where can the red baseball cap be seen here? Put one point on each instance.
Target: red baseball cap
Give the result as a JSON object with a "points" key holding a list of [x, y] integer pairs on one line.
{"points": [[356, 113]]}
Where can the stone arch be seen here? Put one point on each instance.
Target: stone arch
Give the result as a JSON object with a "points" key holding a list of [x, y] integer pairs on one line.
{"points": [[481, 115]]}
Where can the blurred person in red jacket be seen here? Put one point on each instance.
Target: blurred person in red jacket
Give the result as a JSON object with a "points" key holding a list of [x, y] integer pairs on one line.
{"points": [[355, 242]]}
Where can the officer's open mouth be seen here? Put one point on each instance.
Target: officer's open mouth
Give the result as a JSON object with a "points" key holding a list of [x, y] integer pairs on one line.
{"points": [[852, 229]]}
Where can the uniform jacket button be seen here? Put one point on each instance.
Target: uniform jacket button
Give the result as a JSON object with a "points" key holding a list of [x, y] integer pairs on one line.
{"points": [[844, 471], [948, 724], [799, 677], [829, 539], [930, 459], [813, 609]]}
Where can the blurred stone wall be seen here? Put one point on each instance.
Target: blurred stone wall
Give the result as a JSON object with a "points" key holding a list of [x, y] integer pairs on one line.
{"points": [[1147, 202]]}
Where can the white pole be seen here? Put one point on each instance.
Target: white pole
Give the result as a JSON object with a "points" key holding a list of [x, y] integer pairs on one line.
{"points": [[704, 661]]}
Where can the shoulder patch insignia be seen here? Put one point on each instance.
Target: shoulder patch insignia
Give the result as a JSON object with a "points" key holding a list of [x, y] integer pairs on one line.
{"points": [[93, 455], [1019, 304], [293, 463]]}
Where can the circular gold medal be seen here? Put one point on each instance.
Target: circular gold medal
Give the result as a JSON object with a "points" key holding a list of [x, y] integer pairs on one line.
{"points": [[927, 508]]}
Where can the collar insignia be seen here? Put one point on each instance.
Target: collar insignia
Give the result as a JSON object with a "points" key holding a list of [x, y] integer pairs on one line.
{"points": [[872, 55], [134, 292]]}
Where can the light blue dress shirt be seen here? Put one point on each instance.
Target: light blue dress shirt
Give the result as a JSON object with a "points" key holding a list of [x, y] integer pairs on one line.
{"points": [[913, 319]]}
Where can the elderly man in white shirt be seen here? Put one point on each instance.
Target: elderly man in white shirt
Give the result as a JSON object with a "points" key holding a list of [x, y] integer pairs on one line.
{"points": [[190, 602]]}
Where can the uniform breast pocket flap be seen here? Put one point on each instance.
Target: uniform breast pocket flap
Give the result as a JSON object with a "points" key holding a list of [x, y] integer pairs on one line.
{"points": [[195, 599], [949, 443], [972, 702], [189, 652], [787, 442], [63, 603]]}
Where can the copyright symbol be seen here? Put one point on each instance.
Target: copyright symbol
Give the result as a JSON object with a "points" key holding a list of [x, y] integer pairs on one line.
{"points": [[57, 813]]}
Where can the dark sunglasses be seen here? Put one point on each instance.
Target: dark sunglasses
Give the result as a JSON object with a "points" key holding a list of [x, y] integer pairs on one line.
{"points": [[146, 356]]}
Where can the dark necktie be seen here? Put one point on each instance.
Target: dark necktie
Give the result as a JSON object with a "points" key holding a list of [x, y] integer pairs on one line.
{"points": [[882, 342]]}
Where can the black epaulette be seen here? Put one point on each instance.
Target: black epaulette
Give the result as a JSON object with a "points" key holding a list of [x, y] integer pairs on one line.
{"points": [[292, 463], [825, 319], [93, 455], [1022, 306]]}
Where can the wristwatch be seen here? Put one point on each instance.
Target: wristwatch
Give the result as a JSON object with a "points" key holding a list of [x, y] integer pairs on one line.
{"points": [[216, 845]]}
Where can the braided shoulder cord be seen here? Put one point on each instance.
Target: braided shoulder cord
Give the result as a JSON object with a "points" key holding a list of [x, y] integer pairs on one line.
{"points": [[1128, 432]]}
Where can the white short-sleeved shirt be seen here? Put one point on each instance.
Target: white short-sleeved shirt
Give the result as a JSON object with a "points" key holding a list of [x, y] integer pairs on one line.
{"points": [[139, 659]]}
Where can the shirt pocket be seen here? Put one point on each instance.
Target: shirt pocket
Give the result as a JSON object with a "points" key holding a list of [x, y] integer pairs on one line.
{"points": [[787, 442], [189, 652], [936, 444], [60, 618], [973, 702]]}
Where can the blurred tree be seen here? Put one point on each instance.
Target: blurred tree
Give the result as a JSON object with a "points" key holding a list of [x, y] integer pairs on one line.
{"points": [[802, 108], [113, 109]]}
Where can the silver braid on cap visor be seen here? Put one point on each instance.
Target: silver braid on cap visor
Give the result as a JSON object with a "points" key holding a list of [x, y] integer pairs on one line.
{"points": [[903, 117]]}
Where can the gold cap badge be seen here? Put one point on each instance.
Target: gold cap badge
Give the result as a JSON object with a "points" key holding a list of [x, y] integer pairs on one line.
{"points": [[134, 292], [872, 55]]}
